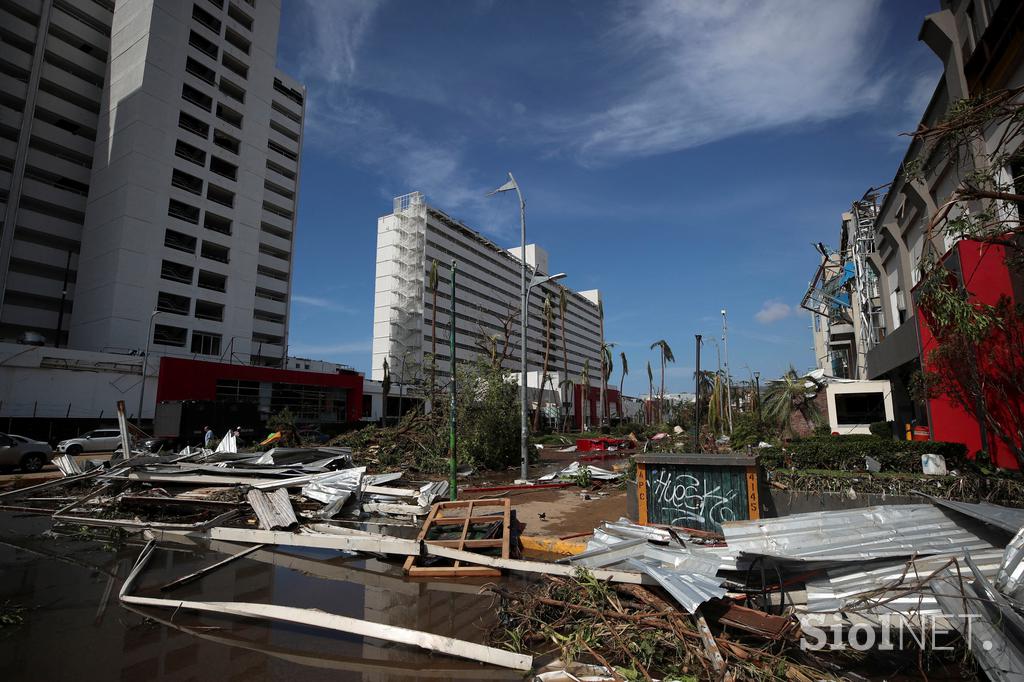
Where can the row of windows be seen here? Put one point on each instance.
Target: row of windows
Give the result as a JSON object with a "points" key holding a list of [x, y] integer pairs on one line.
{"points": [[182, 305], [179, 272], [203, 343]]}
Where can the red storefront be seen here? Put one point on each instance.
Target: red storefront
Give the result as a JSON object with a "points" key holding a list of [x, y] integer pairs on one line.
{"points": [[982, 272], [315, 397], [591, 409]]}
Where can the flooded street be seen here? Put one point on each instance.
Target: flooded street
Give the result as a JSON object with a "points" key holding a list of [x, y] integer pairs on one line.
{"points": [[72, 626]]}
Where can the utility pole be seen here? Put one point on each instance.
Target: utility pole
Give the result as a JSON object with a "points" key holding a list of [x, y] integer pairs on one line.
{"points": [[453, 490], [696, 410], [728, 377], [757, 381]]}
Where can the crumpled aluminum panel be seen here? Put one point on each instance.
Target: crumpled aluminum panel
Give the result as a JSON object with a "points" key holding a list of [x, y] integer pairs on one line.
{"points": [[869, 592], [854, 534], [334, 490], [1010, 576], [689, 576], [1007, 518]]}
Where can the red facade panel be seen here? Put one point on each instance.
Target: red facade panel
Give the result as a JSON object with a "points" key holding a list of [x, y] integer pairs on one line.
{"points": [[187, 379]]}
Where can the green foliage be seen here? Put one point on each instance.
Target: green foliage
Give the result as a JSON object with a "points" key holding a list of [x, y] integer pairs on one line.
{"points": [[847, 453], [882, 429], [786, 396], [747, 430], [487, 414]]}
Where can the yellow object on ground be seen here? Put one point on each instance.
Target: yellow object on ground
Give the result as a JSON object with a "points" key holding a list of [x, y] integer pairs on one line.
{"points": [[552, 545]]}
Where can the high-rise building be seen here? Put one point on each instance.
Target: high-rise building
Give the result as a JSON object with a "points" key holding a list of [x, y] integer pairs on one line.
{"points": [[149, 161], [415, 236]]}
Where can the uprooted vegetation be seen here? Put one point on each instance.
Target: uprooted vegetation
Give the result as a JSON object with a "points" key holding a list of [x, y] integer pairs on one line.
{"points": [[487, 415]]}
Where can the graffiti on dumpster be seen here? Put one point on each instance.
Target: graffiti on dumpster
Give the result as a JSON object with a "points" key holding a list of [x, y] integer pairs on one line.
{"points": [[683, 498]]}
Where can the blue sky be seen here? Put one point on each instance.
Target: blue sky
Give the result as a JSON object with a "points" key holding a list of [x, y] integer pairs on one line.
{"points": [[680, 156]]}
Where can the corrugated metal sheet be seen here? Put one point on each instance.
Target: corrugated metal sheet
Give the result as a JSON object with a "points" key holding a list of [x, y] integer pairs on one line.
{"points": [[690, 577], [854, 534], [696, 496], [274, 509], [1010, 577], [862, 594], [1007, 518]]}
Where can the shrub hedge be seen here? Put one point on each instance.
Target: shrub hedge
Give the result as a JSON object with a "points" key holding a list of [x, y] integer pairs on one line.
{"points": [[847, 453]]}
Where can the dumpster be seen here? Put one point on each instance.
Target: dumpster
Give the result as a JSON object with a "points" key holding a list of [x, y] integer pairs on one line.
{"points": [[696, 491]]}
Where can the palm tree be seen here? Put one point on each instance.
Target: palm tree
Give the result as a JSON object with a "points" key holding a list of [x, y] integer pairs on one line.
{"points": [[716, 404], [563, 305], [622, 378], [666, 357], [585, 402], [650, 393], [385, 387], [785, 396], [548, 321], [433, 329], [606, 372]]}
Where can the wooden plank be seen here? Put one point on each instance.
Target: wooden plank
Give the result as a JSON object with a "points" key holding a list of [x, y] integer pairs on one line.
{"points": [[506, 529], [463, 544], [465, 529]]}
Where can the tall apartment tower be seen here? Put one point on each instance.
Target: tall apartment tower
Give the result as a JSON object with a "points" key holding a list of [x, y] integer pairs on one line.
{"points": [[409, 241], [149, 159]]}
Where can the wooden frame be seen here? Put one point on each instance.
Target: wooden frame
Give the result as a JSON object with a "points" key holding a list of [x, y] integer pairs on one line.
{"points": [[465, 518]]}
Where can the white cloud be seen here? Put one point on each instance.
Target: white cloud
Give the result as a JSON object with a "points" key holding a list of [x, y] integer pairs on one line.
{"points": [[773, 311], [323, 303], [697, 72], [334, 31]]}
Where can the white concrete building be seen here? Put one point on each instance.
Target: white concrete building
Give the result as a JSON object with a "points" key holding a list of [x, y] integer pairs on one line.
{"points": [[409, 241], [149, 160]]}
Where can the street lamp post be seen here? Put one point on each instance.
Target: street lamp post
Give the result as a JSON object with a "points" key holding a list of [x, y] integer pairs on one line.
{"points": [[524, 431], [145, 367], [757, 381], [728, 376]]}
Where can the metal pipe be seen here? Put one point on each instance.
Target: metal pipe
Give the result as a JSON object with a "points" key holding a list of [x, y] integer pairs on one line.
{"points": [[453, 491], [145, 367], [696, 411], [524, 429]]}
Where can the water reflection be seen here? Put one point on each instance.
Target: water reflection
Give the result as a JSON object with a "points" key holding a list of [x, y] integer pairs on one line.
{"points": [[75, 628]]}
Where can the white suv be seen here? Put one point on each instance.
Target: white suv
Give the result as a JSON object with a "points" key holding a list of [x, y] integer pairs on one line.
{"points": [[100, 440]]}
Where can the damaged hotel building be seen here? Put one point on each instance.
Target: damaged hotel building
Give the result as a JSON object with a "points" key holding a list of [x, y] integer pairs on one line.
{"points": [[149, 164], [865, 298]]}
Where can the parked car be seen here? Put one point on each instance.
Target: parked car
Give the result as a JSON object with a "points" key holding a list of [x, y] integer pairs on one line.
{"points": [[98, 440], [19, 451]]}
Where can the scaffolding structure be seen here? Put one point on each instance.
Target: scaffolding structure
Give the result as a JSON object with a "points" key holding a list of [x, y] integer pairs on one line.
{"points": [[869, 299], [407, 298]]}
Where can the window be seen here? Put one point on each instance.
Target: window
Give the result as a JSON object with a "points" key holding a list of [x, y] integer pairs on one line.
{"points": [[212, 281], [860, 408], [172, 303], [270, 295], [166, 335], [237, 40], [280, 149], [186, 151], [222, 167], [206, 19], [235, 64], [212, 221], [267, 338], [207, 47], [291, 93], [232, 90], [187, 182], [193, 125], [220, 195], [182, 211], [277, 168], [206, 310], [229, 115], [271, 251], [276, 231], [240, 16], [272, 273], [215, 252], [176, 272], [201, 71], [284, 131], [200, 99], [281, 109], [180, 241], [205, 343], [277, 210], [225, 141], [279, 190], [367, 405], [266, 316]]}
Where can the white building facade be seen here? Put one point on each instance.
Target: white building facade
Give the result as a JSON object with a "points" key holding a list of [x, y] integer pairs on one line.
{"points": [[415, 236], [150, 154]]}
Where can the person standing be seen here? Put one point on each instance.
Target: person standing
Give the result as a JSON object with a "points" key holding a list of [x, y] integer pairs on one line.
{"points": [[207, 437]]}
